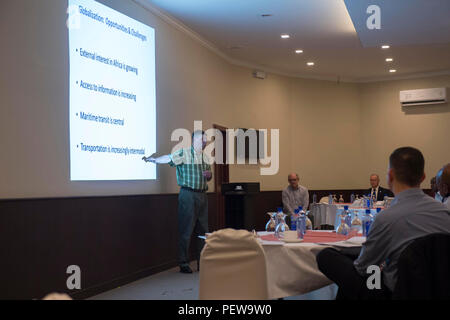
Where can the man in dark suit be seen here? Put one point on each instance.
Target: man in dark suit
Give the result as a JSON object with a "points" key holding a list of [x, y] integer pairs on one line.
{"points": [[376, 190]]}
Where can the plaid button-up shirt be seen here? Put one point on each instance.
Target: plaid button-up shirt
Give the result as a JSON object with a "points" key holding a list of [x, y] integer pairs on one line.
{"points": [[190, 166]]}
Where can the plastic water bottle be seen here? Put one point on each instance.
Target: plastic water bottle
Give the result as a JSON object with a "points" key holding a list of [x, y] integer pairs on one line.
{"points": [[330, 199], [352, 198], [301, 226], [348, 216], [368, 203], [294, 219], [314, 198], [343, 227], [366, 223], [308, 224], [301, 211], [356, 223]]}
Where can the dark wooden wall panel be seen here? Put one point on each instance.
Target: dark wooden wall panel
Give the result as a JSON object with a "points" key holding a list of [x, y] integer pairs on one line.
{"points": [[112, 239]]}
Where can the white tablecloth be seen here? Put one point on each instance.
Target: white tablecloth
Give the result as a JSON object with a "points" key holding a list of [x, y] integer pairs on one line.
{"points": [[329, 213], [292, 268], [323, 213]]}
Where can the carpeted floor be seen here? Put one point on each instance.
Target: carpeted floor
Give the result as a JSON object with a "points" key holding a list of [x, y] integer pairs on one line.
{"points": [[173, 285]]}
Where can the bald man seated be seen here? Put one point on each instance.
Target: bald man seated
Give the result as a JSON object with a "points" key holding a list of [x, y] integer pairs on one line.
{"points": [[443, 184], [294, 195], [376, 190]]}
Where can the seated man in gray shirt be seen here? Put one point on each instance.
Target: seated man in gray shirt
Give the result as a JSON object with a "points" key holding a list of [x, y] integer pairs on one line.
{"points": [[412, 215], [294, 195]]}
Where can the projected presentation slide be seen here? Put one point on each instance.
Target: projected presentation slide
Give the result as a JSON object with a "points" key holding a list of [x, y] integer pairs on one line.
{"points": [[112, 94]]}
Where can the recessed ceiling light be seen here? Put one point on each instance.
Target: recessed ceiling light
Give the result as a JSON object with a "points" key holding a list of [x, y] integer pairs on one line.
{"points": [[385, 47], [310, 63], [285, 36], [298, 51], [392, 70], [266, 15], [389, 59]]}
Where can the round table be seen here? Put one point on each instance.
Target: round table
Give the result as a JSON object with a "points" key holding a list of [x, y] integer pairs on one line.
{"points": [[328, 214], [291, 267]]}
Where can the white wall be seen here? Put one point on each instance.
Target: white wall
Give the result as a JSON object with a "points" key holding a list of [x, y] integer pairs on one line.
{"points": [[333, 135], [385, 126]]}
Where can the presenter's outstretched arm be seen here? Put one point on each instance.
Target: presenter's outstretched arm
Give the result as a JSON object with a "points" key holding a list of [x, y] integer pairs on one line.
{"points": [[157, 160]]}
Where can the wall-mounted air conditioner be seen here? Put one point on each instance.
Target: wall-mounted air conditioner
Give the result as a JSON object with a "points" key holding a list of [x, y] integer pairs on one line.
{"points": [[423, 96]]}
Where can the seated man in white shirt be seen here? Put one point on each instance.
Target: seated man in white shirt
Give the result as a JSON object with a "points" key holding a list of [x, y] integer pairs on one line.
{"points": [[294, 195], [443, 184]]}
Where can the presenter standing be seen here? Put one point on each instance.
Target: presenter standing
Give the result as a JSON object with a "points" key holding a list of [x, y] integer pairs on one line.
{"points": [[193, 174]]}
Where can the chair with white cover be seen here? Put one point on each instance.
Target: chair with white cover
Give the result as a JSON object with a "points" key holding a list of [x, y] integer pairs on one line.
{"points": [[233, 267], [324, 200]]}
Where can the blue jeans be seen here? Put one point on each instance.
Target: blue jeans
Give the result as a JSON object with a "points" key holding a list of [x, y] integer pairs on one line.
{"points": [[192, 217]]}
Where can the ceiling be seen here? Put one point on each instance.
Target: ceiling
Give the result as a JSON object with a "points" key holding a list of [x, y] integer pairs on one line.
{"points": [[332, 34]]}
